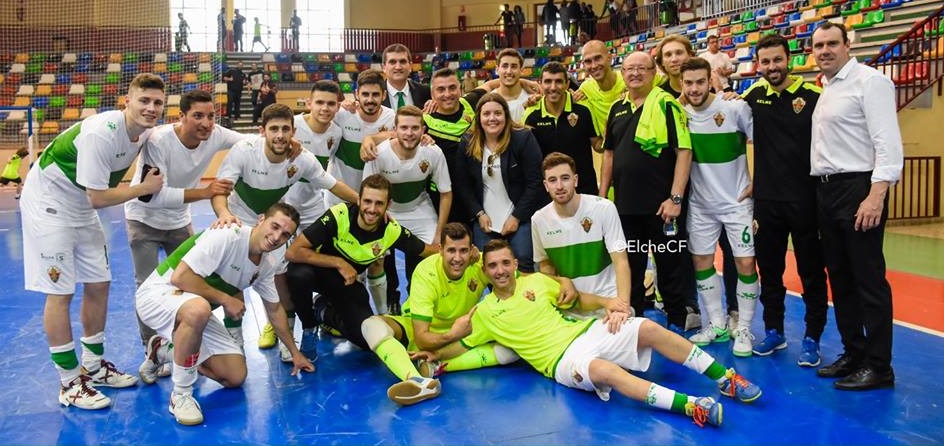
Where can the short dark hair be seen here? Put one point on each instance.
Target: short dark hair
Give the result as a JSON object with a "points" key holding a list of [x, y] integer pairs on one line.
{"points": [[408, 110], [371, 77], [842, 29], [555, 159], [187, 99], [712, 37], [326, 86], [146, 81], [286, 209], [454, 231], [495, 245], [375, 181], [771, 41], [395, 48], [277, 111], [444, 72], [694, 64], [555, 68], [510, 52]]}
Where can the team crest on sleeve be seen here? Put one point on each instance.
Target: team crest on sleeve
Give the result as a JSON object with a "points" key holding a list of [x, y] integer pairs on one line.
{"points": [[330, 142], [54, 273], [529, 294], [424, 166], [719, 119], [586, 224], [473, 285], [376, 249], [112, 125], [292, 170], [798, 105], [572, 119]]}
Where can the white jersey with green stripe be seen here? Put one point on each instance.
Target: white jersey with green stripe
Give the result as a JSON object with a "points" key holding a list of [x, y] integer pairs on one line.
{"points": [[221, 257], [259, 183], [92, 154], [719, 155], [579, 246], [346, 164], [436, 299], [308, 199], [529, 322], [409, 177]]}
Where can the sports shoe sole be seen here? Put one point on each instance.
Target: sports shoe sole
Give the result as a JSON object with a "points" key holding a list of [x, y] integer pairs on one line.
{"points": [[771, 351], [101, 405], [408, 393], [185, 422], [803, 363]]}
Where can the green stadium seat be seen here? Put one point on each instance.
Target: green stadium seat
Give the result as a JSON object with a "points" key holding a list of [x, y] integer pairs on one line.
{"points": [[93, 89], [175, 67], [34, 67], [206, 77], [871, 18], [276, 77], [347, 87], [131, 57], [38, 57], [92, 101]]}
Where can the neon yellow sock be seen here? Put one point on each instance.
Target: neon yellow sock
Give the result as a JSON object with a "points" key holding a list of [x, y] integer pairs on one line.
{"points": [[478, 357], [394, 355]]}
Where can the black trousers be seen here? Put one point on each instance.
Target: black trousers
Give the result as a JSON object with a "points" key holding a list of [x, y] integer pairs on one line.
{"points": [[393, 277], [730, 273], [776, 222], [862, 297], [234, 100], [347, 305], [676, 274]]}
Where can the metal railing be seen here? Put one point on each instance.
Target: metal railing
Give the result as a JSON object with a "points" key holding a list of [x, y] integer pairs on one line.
{"points": [[918, 194], [914, 61]]}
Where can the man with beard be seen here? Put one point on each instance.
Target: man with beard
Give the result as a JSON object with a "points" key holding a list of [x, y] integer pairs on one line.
{"points": [[562, 125], [785, 197], [720, 200], [593, 256], [262, 173], [328, 256], [181, 151]]}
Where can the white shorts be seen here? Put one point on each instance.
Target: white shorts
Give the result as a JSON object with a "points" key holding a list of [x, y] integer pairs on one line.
{"points": [[573, 369], [423, 228], [704, 228], [55, 258], [157, 306]]}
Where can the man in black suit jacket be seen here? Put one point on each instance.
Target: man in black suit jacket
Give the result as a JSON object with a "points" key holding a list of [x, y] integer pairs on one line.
{"points": [[397, 67]]}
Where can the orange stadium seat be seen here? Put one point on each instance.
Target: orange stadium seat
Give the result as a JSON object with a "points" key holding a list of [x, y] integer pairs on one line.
{"points": [[70, 114], [43, 90], [114, 58], [49, 128]]}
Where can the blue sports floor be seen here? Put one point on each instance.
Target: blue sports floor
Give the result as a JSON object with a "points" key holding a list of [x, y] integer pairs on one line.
{"points": [[344, 401]]}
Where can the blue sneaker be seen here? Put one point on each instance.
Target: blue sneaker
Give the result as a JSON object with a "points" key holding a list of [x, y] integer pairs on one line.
{"points": [[309, 343], [737, 387], [773, 342], [809, 357], [704, 410]]}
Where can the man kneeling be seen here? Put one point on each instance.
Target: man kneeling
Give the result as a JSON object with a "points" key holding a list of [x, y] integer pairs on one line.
{"points": [[208, 270], [522, 314]]}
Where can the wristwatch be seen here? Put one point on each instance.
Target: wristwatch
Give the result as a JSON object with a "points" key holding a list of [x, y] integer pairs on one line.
{"points": [[676, 199]]}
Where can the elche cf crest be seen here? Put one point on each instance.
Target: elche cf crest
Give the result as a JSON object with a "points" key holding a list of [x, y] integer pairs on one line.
{"points": [[798, 105], [586, 224], [424, 166], [330, 142], [292, 170], [572, 119], [719, 119]]}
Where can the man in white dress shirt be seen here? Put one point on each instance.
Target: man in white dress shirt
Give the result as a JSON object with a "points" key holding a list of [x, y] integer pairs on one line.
{"points": [[856, 155]]}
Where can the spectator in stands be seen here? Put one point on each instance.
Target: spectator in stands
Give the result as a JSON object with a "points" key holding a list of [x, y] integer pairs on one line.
{"points": [[574, 17], [507, 20], [267, 95], [221, 30], [565, 19], [255, 83], [856, 155], [257, 35], [11, 172], [295, 23], [613, 10], [183, 31], [519, 23], [591, 16], [401, 90], [630, 13], [549, 16], [238, 22], [721, 66], [498, 178], [561, 125], [650, 162], [469, 82], [235, 83]]}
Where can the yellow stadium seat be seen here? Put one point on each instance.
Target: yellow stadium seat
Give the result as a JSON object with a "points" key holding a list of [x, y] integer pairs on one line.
{"points": [[49, 128], [190, 78], [204, 58], [120, 105], [301, 77], [222, 99], [21, 101], [21, 58], [43, 90], [853, 19], [1, 78], [70, 114], [173, 113], [160, 67], [114, 58]]}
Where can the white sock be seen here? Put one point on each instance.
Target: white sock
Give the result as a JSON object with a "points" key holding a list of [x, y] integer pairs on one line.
{"points": [[747, 299], [93, 347], [378, 292], [712, 299], [185, 375]]}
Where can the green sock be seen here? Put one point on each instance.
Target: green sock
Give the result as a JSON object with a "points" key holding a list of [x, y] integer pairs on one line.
{"points": [[394, 355], [66, 361], [701, 362], [93, 347], [478, 357]]}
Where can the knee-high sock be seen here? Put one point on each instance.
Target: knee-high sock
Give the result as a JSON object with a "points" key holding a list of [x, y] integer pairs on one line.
{"points": [[184, 375], [380, 339], [378, 292], [481, 356], [747, 291], [709, 286], [667, 399]]}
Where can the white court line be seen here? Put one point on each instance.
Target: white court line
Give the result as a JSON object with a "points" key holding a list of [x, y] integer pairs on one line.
{"points": [[915, 327]]}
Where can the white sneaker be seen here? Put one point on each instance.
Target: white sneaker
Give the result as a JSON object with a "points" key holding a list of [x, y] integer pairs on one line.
{"points": [[185, 409], [81, 394], [414, 390], [710, 334], [284, 354], [154, 359], [430, 369], [109, 376], [743, 342], [166, 369], [732, 320], [692, 319]]}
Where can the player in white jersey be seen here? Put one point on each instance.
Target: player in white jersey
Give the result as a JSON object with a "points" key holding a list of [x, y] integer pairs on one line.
{"points": [[63, 240], [579, 236], [317, 133], [262, 173], [208, 270], [182, 152], [410, 167], [369, 118], [720, 199], [509, 67]]}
